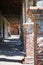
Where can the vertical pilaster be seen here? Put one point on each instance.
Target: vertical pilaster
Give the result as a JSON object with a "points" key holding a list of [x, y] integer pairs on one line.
{"points": [[28, 37], [23, 10], [26, 9]]}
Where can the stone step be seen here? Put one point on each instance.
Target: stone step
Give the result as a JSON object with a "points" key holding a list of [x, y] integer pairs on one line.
{"points": [[10, 63], [11, 47], [13, 41], [16, 58], [11, 56]]}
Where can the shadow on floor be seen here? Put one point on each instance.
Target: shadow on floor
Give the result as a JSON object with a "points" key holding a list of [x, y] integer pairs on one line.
{"points": [[10, 50], [9, 60]]}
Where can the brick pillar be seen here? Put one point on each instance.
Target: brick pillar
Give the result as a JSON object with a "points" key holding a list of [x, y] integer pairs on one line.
{"points": [[29, 44]]}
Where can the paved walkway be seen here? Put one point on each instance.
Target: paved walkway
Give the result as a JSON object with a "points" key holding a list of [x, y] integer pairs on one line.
{"points": [[12, 63], [10, 56]]}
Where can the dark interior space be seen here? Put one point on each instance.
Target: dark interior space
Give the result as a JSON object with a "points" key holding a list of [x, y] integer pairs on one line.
{"points": [[11, 7], [11, 12]]}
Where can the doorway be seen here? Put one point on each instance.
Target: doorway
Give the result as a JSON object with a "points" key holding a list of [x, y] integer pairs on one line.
{"points": [[12, 15]]}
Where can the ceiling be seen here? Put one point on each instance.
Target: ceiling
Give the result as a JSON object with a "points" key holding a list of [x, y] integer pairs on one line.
{"points": [[11, 7]]}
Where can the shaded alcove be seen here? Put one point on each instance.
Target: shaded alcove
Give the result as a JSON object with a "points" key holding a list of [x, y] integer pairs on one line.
{"points": [[11, 11]]}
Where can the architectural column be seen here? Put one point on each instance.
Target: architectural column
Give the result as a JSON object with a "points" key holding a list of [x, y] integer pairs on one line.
{"points": [[26, 9], [1, 23], [23, 12], [29, 35], [5, 27]]}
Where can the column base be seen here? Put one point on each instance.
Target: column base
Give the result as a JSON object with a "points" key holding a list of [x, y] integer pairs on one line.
{"points": [[28, 60]]}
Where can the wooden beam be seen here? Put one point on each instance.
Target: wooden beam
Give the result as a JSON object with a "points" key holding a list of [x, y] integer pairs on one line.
{"points": [[35, 8]]}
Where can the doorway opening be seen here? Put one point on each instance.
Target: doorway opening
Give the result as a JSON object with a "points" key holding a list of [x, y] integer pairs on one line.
{"points": [[12, 32]]}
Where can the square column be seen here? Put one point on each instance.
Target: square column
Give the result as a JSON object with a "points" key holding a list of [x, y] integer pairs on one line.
{"points": [[29, 42]]}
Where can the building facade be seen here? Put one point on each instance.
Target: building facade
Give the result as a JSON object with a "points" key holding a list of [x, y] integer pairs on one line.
{"points": [[19, 18]]}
